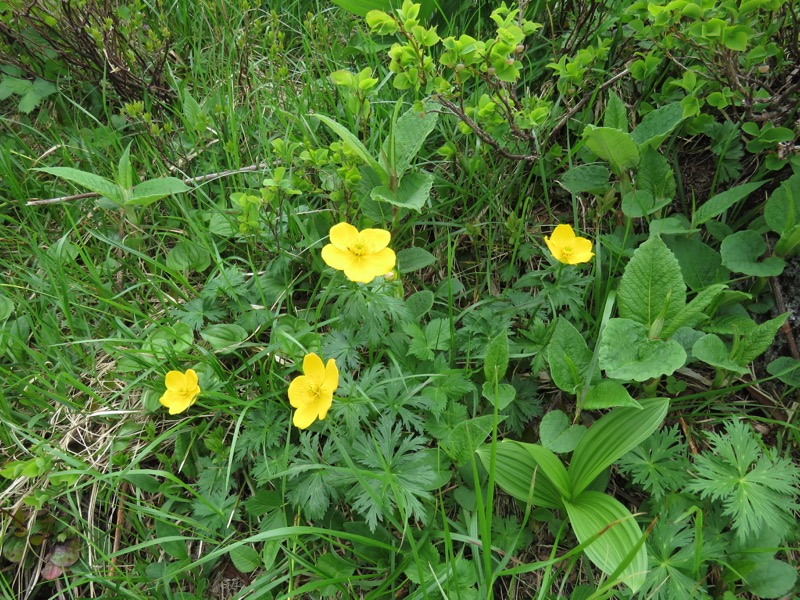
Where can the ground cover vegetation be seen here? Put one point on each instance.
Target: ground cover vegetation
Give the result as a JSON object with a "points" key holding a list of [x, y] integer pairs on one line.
{"points": [[428, 300]]}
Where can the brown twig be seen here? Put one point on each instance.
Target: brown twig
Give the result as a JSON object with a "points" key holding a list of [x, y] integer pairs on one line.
{"points": [[191, 180], [786, 328]]}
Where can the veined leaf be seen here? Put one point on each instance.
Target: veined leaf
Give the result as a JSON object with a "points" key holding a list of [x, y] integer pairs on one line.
{"points": [[413, 191], [518, 474], [613, 146], [569, 357], [355, 145], [152, 190], [627, 353], [95, 183], [718, 204], [410, 132], [657, 125]]}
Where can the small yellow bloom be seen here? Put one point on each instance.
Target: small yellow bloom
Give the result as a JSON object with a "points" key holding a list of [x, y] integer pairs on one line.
{"points": [[362, 255], [568, 248], [312, 392], [182, 391]]}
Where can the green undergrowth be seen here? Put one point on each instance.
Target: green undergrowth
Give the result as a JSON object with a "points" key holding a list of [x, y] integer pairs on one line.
{"points": [[575, 381]]}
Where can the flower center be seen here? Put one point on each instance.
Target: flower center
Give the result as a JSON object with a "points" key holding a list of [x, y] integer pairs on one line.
{"points": [[567, 251], [315, 390], [359, 249]]}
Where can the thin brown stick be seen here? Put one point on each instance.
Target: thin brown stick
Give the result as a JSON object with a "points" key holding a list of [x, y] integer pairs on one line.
{"points": [[191, 180]]}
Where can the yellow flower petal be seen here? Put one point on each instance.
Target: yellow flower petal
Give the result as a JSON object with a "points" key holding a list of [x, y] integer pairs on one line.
{"points": [[301, 391], [336, 258], [375, 239], [582, 251], [343, 235], [176, 402], [191, 379], [331, 376], [314, 368], [562, 235], [305, 416], [175, 380]]}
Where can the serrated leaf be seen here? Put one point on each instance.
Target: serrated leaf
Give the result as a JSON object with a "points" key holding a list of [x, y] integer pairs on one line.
{"points": [[224, 336], [610, 437], [518, 474], [152, 190], [586, 178], [692, 314], [14, 86], [414, 259], [592, 513], [95, 183], [556, 433], [740, 253], [608, 394], [245, 558], [613, 146], [413, 191], [654, 175], [782, 209], [652, 285], [569, 357], [657, 125], [626, 353], [495, 361], [465, 438], [756, 341], [193, 113], [718, 204], [410, 132], [615, 115]]}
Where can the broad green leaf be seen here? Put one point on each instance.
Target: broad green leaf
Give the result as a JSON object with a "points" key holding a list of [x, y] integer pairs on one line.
{"points": [[657, 125], [692, 314], [6, 308], [224, 336], [654, 175], [741, 251], [414, 259], [193, 113], [718, 204], [640, 203], [610, 437], [124, 170], [608, 394], [569, 357], [413, 191], [613, 146], [713, 351], [519, 475], [495, 362], [592, 513], [669, 226], [772, 578], [92, 182], [355, 146], [175, 548], [789, 242], [245, 558], [14, 86], [410, 133], [700, 264], [627, 353], [152, 190], [756, 341], [786, 369], [419, 304], [143, 481], [615, 115], [556, 433], [502, 396], [782, 210], [465, 438], [188, 255], [34, 96], [652, 285], [586, 178]]}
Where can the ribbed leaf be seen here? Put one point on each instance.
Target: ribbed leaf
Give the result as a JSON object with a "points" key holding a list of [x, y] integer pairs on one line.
{"points": [[514, 471], [593, 512], [612, 436]]}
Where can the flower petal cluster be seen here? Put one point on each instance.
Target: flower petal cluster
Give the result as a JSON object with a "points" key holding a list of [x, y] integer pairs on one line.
{"points": [[182, 391], [362, 255], [568, 248], [312, 392]]}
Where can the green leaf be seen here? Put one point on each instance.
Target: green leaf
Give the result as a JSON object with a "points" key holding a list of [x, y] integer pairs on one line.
{"points": [[740, 253], [592, 513], [224, 336], [465, 438], [362, 7], [124, 170], [586, 178], [413, 191], [657, 125], [782, 210], [95, 183], [410, 132], [245, 558], [495, 362], [193, 113], [610, 437], [569, 357], [414, 259], [712, 350], [518, 474], [627, 353], [143, 481], [640, 203], [613, 146], [772, 578], [700, 264], [188, 255], [14, 86], [355, 146], [557, 435], [652, 285], [616, 115], [786, 369], [789, 242], [419, 304], [692, 314], [151, 190], [716, 205], [756, 341], [6, 308], [608, 394], [654, 175], [504, 395], [175, 548]]}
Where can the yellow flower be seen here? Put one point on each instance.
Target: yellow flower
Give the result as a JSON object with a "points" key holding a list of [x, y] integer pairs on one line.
{"points": [[182, 391], [568, 248], [312, 392], [362, 255]]}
